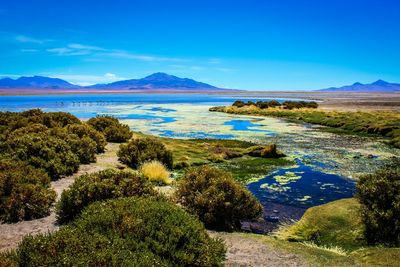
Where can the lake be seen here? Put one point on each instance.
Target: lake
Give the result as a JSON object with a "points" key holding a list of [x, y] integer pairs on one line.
{"points": [[325, 162]]}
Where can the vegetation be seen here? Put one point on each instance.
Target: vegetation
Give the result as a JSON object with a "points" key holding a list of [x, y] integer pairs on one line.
{"points": [[125, 232], [141, 150], [379, 195], [216, 198], [382, 123], [274, 104], [85, 130], [24, 192], [112, 128], [268, 151], [56, 142], [102, 185], [333, 235], [335, 224], [156, 172]]}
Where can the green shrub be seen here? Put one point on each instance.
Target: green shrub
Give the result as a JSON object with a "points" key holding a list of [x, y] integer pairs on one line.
{"points": [[113, 130], [379, 195], [141, 150], [216, 198], [125, 232], [42, 150], [25, 192], [98, 186], [267, 151], [85, 130]]}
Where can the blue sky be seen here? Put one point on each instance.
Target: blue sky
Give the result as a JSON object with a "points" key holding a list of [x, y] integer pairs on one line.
{"points": [[252, 44]]}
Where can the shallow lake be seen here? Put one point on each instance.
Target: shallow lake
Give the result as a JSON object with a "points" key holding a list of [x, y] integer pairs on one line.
{"points": [[325, 162]]}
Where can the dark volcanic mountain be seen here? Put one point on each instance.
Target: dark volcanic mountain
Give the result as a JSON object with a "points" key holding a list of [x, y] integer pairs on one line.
{"points": [[38, 82], [156, 81], [378, 86]]}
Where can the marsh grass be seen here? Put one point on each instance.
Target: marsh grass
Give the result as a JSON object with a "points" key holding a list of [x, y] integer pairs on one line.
{"points": [[156, 172], [381, 123]]}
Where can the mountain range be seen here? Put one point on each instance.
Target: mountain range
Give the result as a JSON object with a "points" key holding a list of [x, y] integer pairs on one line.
{"points": [[154, 81], [378, 86]]}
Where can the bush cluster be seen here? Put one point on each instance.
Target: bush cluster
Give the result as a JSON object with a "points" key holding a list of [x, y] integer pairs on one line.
{"points": [[102, 185], [25, 192], [274, 103], [113, 130], [218, 200], [299, 104], [141, 150], [267, 151], [56, 141], [125, 232], [379, 195]]}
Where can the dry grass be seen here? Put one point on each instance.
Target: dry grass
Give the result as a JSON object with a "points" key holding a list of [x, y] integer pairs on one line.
{"points": [[156, 172]]}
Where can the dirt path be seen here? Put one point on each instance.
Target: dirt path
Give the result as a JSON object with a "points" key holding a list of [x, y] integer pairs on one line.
{"points": [[248, 251], [12, 234]]}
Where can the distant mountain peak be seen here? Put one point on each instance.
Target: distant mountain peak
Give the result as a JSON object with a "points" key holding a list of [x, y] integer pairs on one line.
{"points": [[36, 82], [380, 83], [158, 80], [377, 86]]}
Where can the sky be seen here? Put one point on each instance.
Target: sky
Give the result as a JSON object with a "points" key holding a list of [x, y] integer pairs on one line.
{"points": [[243, 44]]}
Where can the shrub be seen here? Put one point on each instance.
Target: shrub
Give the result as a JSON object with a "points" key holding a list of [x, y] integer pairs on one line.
{"points": [[268, 151], [216, 198], [25, 192], [98, 186], [85, 130], [45, 151], [113, 130], [141, 150], [379, 195], [125, 232], [155, 171], [238, 103]]}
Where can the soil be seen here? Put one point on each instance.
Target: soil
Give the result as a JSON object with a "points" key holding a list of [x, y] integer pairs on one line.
{"points": [[248, 251]]}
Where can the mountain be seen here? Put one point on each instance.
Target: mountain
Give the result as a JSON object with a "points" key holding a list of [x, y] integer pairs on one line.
{"points": [[38, 82], [156, 81], [378, 86]]}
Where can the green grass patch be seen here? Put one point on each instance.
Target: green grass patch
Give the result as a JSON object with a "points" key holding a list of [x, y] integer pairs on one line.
{"points": [[381, 123]]}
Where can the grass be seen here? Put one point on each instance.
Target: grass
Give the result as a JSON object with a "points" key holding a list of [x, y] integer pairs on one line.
{"points": [[229, 155], [333, 224], [381, 123], [333, 233], [156, 172]]}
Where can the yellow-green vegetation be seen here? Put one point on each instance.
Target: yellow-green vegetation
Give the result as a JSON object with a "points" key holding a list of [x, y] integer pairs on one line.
{"points": [[336, 230], [333, 224], [123, 232], [156, 172], [218, 200], [99, 186], [382, 123], [229, 155]]}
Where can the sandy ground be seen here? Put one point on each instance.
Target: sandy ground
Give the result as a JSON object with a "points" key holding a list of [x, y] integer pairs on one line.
{"points": [[248, 251], [12, 234]]}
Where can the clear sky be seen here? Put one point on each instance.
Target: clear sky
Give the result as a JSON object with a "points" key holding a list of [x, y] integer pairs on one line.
{"points": [[245, 44]]}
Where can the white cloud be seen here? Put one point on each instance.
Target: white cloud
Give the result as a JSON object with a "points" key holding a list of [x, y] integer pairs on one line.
{"points": [[85, 80], [75, 49], [110, 75], [27, 39], [29, 50]]}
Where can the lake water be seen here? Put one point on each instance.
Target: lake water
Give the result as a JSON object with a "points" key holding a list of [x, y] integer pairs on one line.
{"points": [[325, 161]]}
